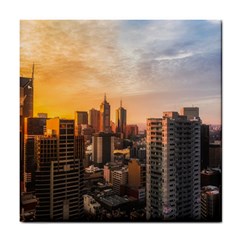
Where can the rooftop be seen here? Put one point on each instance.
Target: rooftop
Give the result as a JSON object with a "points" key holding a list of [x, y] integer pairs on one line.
{"points": [[211, 171], [211, 190], [114, 200], [92, 169]]}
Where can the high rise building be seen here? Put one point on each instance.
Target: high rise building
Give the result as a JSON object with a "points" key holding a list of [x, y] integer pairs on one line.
{"points": [[26, 110], [210, 204], [113, 127], [102, 148], [79, 155], [190, 112], [136, 186], [215, 154], [173, 168], [33, 127], [138, 151], [59, 173], [136, 173], [121, 120], [80, 118], [204, 146], [94, 119], [26, 97], [131, 130], [105, 112], [87, 131]]}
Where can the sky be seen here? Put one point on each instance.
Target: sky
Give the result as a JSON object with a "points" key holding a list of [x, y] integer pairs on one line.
{"points": [[152, 65]]}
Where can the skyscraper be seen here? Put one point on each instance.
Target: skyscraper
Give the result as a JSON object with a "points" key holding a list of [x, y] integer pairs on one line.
{"points": [[105, 112], [26, 97], [215, 155], [80, 118], [59, 173], [33, 127], [121, 120], [173, 168], [190, 112], [102, 148], [94, 119], [204, 146], [26, 110]]}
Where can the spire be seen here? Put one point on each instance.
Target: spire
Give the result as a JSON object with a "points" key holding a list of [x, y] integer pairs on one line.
{"points": [[32, 71], [121, 103], [105, 98]]}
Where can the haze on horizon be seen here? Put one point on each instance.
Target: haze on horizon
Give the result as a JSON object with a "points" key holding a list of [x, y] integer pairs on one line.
{"points": [[153, 66]]}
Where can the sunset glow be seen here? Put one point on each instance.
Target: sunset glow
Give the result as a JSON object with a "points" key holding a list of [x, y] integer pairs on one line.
{"points": [[153, 66]]}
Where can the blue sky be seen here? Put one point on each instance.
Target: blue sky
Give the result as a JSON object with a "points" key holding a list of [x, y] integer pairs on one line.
{"points": [[154, 66]]}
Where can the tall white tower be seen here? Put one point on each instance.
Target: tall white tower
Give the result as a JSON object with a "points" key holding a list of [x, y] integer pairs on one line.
{"points": [[173, 168]]}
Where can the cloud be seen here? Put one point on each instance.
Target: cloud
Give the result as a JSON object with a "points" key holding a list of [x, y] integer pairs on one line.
{"points": [[80, 60], [169, 57]]}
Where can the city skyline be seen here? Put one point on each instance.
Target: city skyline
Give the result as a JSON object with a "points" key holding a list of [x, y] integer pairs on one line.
{"points": [[153, 66]]}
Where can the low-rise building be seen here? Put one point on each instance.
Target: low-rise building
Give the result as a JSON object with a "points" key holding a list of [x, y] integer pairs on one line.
{"points": [[28, 206], [139, 193], [90, 204], [114, 202], [210, 204], [120, 177], [108, 169]]}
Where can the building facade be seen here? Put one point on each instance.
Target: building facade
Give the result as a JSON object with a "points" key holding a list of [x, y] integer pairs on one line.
{"points": [[210, 204], [105, 113], [131, 130], [204, 146], [28, 204], [94, 119], [26, 110], [91, 206], [119, 177], [59, 173], [190, 112], [33, 127], [121, 120], [26, 97], [80, 118], [215, 154], [102, 148], [136, 173], [173, 168], [108, 169]]}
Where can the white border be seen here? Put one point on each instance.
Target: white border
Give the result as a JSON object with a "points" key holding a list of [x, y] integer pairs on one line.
{"points": [[13, 11]]}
